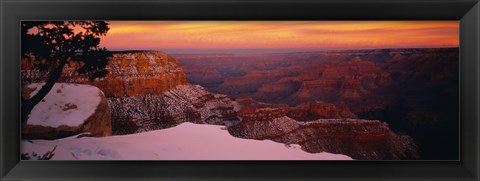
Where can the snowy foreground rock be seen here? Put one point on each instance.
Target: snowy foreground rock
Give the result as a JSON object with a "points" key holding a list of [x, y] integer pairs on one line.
{"points": [[68, 109], [187, 141]]}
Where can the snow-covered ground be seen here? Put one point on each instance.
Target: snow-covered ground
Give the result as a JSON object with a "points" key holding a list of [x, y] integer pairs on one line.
{"points": [[66, 104], [187, 141]]}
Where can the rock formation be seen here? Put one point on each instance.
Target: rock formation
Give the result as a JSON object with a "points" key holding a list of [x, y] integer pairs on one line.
{"points": [[148, 90], [133, 73], [318, 110], [360, 139], [184, 103], [58, 116], [321, 127]]}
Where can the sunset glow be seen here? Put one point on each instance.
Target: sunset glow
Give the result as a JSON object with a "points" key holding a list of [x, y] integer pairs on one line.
{"points": [[280, 34]]}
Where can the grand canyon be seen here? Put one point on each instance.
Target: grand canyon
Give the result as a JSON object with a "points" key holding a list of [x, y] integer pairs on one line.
{"points": [[367, 104], [220, 103]]}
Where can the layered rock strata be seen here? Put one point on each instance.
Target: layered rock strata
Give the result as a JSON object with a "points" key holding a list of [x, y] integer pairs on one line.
{"points": [[360, 139]]}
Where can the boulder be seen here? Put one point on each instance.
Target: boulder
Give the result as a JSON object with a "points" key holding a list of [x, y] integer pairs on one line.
{"points": [[68, 109]]}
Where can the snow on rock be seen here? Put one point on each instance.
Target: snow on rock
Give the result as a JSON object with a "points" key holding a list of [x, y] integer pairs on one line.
{"points": [[65, 104], [187, 141], [131, 73], [184, 103], [66, 110]]}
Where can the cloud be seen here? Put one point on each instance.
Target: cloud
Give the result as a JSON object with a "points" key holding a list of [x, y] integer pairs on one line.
{"points": [[280, 34]]}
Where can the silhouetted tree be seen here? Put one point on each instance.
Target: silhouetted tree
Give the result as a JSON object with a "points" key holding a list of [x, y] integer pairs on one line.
{"points": [[50, 45]]}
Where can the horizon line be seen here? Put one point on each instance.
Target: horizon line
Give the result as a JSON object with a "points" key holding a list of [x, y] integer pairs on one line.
{"points": [[265, 50]]}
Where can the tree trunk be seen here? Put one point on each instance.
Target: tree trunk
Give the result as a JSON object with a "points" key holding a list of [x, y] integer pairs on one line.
{"points": [[28, 104]]}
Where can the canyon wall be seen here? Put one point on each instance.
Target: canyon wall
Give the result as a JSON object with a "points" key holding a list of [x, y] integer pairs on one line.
{"points": [[359, 139], [132, 73], [185, 103], [333, 132]]}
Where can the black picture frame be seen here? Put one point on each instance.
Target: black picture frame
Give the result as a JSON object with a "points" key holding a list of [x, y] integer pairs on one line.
{"points": [[13, 11]]}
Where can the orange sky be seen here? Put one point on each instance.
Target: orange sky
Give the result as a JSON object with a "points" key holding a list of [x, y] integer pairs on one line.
{"points": [[319, 35]]}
